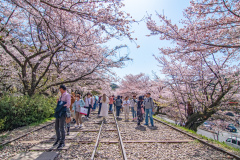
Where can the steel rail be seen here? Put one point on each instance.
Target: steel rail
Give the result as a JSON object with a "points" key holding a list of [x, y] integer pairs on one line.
{"points": [[120, 139], [199, 139], [97, 142], [14, 139]]}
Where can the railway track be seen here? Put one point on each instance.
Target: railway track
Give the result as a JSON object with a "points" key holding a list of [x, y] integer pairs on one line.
{"points": [[165, 141], [109, 139], [199, 139], [27, 133], [117, 139]]}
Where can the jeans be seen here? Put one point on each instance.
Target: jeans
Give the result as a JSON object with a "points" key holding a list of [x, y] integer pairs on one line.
{"points": [[59, 128], [94, 106], [149, 111], [110, 107], [134, 113], [89, 110], [99, 109], [118, 110]]}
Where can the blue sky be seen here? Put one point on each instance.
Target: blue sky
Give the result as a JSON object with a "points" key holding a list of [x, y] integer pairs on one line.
{"points": [[143, 60]]}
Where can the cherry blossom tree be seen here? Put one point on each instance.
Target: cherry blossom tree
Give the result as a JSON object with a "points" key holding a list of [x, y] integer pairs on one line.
{"points": [[140, 84], [203, 65], [60, 41]]}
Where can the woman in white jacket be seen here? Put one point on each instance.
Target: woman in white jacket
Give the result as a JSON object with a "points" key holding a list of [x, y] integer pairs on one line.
{"points": [[104, 109], [126, 104]]}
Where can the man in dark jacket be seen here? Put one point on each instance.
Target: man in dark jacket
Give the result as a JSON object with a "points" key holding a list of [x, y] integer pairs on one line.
{"points": [[60, 113]]}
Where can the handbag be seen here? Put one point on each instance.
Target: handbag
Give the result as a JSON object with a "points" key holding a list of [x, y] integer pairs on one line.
{"points": [[142, 110], [83, 111]]}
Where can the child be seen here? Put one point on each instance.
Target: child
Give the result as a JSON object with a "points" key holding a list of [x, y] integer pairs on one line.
{"points": [[77, 105], [140, 110]]}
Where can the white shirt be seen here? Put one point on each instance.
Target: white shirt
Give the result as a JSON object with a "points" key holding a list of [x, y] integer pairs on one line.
{"points": [[88, 101], [126, 103]]}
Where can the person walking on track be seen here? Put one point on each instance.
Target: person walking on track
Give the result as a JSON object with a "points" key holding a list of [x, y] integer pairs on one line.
{"points": [[110, 103], [149, 106], [73, 99], [100, 105], [88, 104], [118, 103], [104, 109], [133, 104], [77, 105], [70, 113], [126, 105], [140, 110], [64, 102]]}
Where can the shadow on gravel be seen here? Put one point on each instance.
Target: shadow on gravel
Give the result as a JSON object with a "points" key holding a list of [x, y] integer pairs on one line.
{"points": [[153, 128], [141, 128], [119, 119]]}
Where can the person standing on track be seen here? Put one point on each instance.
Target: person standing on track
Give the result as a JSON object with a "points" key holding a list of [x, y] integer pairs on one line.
{"points": [[149, 106], [126, 105], [88, 104], [133, 104], [118, 106], [140, 110], [104, 109], [64, 102], [70, 113], [77, 105], [114, 102], [95, 103], [110, 103], [73, 99], [122, 100], [100, 105]]}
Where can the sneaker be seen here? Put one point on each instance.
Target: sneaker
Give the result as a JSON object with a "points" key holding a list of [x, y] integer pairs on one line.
{"points": [[80, 126], [61, 145], [55, 143], [68, 133], [76, 126], [145, 124]]}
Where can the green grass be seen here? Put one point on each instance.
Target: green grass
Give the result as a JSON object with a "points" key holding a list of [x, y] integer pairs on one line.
{"points": [[3, 136], [221, 144], [42, 121]]}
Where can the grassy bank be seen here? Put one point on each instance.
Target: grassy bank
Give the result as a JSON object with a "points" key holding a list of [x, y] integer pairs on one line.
{"points": [[220, 144]]}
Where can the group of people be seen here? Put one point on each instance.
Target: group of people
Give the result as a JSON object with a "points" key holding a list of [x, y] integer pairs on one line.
{"points": [[74, 107], [143, 105]]}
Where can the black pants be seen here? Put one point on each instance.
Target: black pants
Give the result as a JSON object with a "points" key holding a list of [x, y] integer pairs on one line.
{"points": [[89, 109], [59, 128], [99, 109], [118, 110]]}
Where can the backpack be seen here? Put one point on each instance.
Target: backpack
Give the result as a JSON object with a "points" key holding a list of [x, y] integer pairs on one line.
{"points": [[118, 102]]}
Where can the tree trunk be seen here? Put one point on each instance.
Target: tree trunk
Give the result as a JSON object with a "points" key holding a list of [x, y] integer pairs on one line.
{"points": [[196, 119]]}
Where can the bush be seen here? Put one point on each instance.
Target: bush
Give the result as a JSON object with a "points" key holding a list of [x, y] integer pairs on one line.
{"points": [[24, 110]]}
